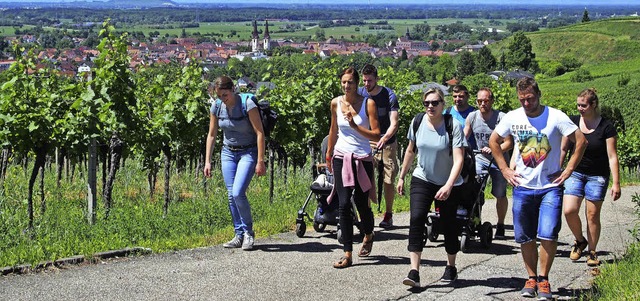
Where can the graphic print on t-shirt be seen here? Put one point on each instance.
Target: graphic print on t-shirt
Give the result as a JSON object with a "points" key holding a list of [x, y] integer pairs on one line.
{"points": [[534, 147]]}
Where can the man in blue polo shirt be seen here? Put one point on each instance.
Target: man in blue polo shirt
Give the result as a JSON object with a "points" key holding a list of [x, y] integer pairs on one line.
{"points": [[461, 108]]}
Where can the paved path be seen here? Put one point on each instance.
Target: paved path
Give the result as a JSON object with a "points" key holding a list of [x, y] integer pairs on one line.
{"points": [[285, 267]]}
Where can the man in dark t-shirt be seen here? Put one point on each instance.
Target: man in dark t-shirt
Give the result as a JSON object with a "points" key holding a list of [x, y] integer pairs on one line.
{"points": [[387, 105]]}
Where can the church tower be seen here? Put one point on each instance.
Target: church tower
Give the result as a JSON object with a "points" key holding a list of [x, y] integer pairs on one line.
{"points": [[255, 47], [267, 39]]}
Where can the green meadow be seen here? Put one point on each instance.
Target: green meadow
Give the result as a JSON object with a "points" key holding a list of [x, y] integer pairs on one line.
{"points": [[243, 29]]}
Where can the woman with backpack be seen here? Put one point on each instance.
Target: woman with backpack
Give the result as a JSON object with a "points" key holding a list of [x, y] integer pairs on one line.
{"points": [[241, 157], [436, 176], [354, 122]]}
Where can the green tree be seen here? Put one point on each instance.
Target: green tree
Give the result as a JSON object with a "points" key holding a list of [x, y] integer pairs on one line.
{"points": [[585, 16], [113, 92], [285, 50], [520, 55], [581, 75], [169, 104], [476, 82], [485, 61], [421, 31], [31, 110], [403, 56], [466, 64], [445, 68], [319, 35]]}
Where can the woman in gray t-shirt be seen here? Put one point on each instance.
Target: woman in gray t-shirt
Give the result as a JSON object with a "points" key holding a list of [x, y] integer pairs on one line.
{"points": [[241, 157], [436, 176]]}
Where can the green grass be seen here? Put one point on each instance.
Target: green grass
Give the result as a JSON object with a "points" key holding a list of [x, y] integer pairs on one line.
{"points": [[196, 218], [244, 29], [618, 280]]}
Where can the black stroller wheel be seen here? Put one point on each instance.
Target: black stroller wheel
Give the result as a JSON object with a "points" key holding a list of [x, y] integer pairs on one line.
{"points": [[339, 235], [432, 230], [486, 234], [319, 227], [301, 228], [464, 242]]}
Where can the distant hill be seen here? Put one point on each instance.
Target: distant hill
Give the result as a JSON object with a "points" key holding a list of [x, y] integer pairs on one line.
{"points": [[96, 4], [608, 49], [591, 42], [141, 3]]}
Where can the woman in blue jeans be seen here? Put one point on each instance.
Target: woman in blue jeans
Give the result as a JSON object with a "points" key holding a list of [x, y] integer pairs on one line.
{"points": [[242, 155], [590, 179]]}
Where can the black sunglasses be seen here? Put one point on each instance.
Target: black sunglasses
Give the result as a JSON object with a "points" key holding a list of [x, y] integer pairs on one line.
{"points": [[433, 103]]}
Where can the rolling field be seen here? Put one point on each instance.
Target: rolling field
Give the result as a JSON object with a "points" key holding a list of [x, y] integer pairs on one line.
{"points": [[243, 29]]}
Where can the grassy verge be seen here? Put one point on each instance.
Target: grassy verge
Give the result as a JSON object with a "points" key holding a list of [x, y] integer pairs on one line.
{"points": [[618, 280], [197, 217]]}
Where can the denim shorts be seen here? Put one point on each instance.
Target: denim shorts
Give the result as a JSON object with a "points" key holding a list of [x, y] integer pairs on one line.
{"points": [[537, 213], [498, 182], [592, 188]]}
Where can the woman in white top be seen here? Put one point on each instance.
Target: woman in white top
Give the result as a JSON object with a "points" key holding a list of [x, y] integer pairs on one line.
{"points": [[354, 122]]}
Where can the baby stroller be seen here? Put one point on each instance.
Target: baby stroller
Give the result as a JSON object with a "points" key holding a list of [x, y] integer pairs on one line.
{"points": [[325, 214], [468, 216]]}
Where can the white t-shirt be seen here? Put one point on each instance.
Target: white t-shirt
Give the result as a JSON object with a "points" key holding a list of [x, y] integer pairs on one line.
{"points": [[537, 142]]}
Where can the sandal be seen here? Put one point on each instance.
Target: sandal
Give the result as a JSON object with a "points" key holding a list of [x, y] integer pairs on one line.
{"points": [[365, 250], [344, 262]]}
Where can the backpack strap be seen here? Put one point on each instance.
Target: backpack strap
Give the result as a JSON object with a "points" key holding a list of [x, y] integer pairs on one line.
{"points": [[447, 111], [448, 125], [218, 107], [416, 124], [243, 100]]}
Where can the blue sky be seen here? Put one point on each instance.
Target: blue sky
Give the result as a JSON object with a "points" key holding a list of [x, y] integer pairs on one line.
{"points": [[552, 2]]}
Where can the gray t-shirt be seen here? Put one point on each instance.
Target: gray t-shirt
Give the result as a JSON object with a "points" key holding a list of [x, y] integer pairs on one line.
{"points": [[434, 159], [482, 129], [236, 128]]}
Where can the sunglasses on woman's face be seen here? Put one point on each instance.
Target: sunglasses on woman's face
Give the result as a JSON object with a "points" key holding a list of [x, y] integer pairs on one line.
{"points": [[583, 105], [433, 103]]}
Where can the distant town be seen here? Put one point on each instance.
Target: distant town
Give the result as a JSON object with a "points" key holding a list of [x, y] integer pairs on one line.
{"points": [[68, 61]]}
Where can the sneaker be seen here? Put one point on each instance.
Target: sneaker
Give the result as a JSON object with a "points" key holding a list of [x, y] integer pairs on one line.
{"points": [[247, 243], [593, 260], [413, 279], [544, 290], [236, 242], [499, 231], [576, 250], [387, 221], [529, 289], [450, 274]]}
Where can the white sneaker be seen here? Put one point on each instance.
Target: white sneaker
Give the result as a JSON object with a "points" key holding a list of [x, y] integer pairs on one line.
{"points": [[236, 242], [247, 243]]}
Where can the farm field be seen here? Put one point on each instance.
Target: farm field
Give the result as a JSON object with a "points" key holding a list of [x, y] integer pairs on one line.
{"points": [[243, 29]]}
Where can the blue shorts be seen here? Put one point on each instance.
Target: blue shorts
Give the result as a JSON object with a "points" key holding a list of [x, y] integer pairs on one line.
{"points": [[592, 188], [537, 213], [498, 182]]}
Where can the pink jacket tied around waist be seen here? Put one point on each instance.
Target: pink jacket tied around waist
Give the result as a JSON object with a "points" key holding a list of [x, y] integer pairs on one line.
{"points": [[348, 174]]}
